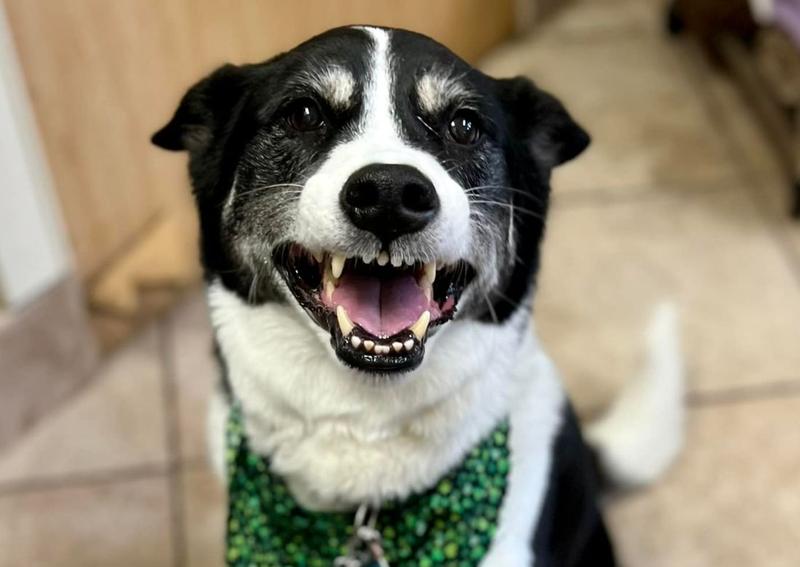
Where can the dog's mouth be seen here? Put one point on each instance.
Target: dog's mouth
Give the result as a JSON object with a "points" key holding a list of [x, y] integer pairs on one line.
{"points": [[379, 314]]}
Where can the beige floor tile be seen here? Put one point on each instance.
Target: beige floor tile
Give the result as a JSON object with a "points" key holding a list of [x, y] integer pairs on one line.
{"points": [[205, 515], [123, 524], [118, 421], [607, 264], [648, 127], [195, 371], [732, 500]]}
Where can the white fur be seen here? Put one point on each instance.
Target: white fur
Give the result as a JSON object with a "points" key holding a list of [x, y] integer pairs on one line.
{"points": [[335, 84], [536, 414], [338, 437], [642, 433], [320, 221], [340, 440], [216, 427], [435, 90]]}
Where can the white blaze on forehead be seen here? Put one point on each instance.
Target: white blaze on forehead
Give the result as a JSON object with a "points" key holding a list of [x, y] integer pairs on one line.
{"points": [[380, 107], [378, 139], [336, 84], [436, 90]]}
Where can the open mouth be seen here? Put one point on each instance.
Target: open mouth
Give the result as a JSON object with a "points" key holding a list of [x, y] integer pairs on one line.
{"points": [[379, 315]]}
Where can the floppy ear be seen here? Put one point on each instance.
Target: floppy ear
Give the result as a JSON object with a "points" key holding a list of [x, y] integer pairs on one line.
{"points": [[541, 122], [204, 112]]}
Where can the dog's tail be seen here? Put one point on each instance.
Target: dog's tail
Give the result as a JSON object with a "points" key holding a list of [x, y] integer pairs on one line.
{"points": [[641, 434]]}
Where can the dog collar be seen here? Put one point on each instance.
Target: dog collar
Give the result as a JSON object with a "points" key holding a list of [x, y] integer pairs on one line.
{"points": [[451, 524]]}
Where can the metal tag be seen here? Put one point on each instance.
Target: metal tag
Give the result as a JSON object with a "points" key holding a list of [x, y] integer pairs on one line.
{"points": [[364, 549]]}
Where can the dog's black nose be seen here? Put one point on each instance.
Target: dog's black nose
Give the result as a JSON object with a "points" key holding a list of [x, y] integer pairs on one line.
{"points": [[389, 200]]}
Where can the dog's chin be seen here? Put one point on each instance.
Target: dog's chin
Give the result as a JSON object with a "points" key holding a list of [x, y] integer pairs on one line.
{"points": [[379, 316]]}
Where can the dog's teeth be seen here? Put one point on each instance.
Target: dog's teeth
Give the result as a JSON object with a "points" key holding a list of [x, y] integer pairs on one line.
{"points": [[421, 326], [430, 272], [318, 256], [382, 349], [330, 287], [397, 346], [337, 265], [355, 341], [345, 324], [369, 345], [428, 291], [409, 344], [383, 258], [397, 261]]}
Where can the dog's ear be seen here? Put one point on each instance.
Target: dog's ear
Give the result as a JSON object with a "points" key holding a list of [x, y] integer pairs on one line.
{"points": [[204, 111], [540, 121]]}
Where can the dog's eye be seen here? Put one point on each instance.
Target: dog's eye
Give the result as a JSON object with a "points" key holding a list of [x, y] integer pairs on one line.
{"points": [[464, 128], [304, 115]]}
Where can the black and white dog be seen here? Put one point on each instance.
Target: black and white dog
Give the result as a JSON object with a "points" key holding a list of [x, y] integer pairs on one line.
{"points": [[372, 209]]}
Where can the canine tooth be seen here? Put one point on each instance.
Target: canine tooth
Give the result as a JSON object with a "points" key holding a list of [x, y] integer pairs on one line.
{"points": [[383, 258], [382, 349], [355, 341], [421, 326], [330, 287], [409, 344], [318, 256], [430, 272], [369, 345], [345, 324], [428, 291], [337, 265], [397, 346]]}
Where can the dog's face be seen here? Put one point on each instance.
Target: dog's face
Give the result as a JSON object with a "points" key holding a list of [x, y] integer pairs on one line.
{"points": [[377, 182]]}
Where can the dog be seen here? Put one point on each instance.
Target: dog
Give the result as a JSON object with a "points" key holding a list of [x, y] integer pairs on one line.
{"points": [[372, 210]]}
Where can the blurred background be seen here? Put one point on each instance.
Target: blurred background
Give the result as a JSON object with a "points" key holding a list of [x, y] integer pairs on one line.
{"points": [[687, 192]]}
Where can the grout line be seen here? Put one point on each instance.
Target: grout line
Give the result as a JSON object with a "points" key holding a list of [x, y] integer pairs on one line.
{"points": [[165, 330], [83, 479], [777, 390], [89, 479]]}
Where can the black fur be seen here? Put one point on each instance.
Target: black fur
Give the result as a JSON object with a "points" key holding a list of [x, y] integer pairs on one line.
{"points": [[571, 531]]}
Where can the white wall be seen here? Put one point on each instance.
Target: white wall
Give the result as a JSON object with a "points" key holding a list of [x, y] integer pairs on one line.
{"points": [[33, 247]]}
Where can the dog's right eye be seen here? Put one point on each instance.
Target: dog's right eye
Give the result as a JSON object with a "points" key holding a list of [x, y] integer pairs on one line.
{"points": [[304, 115]]}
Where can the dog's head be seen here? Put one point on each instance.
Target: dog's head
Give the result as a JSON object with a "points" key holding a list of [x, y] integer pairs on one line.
{"points": [[375, 180]]}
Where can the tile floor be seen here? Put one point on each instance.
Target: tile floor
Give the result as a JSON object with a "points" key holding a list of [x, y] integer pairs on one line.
{"points": [[678, 198]]}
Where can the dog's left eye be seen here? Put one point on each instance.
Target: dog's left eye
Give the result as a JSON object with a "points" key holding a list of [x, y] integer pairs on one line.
{"points": [[464, 128], [304, 115]]}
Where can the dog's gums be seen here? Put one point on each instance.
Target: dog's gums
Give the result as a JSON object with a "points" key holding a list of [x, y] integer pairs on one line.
{"points": [[379, 311]]}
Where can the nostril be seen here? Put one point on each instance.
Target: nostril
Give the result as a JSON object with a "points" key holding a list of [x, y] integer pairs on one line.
{"points": [[418, 198], [361, 195]]}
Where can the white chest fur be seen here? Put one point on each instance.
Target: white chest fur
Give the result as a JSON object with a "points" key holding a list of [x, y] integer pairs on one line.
{"points": [[340, 439]]}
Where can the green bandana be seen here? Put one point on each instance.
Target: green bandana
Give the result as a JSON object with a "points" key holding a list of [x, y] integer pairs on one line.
{"points": [[451, 524]]}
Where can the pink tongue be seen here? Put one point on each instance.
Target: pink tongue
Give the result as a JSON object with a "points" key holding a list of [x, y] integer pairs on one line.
{"points": [[382, 306]]}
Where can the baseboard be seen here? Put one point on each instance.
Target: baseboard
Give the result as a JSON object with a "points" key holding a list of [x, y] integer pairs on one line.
{"points": [[47, 352]]}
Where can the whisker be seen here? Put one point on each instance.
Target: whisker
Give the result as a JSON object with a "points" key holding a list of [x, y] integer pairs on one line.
{"points": [[511, 206], [526, 194], [491, 308]]}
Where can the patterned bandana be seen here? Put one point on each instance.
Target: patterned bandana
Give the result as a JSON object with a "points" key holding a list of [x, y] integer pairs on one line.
{"points": [[450, 525]]}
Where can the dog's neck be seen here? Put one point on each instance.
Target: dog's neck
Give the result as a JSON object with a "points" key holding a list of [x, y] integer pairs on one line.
{"points": [[339, 438]]}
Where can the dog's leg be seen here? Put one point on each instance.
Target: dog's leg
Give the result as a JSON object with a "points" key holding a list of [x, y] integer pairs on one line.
{"points": [[216, 424], [536, 417]]}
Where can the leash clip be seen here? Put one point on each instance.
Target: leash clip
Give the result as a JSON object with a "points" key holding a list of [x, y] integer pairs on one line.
{"points": [[364, 548]]}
